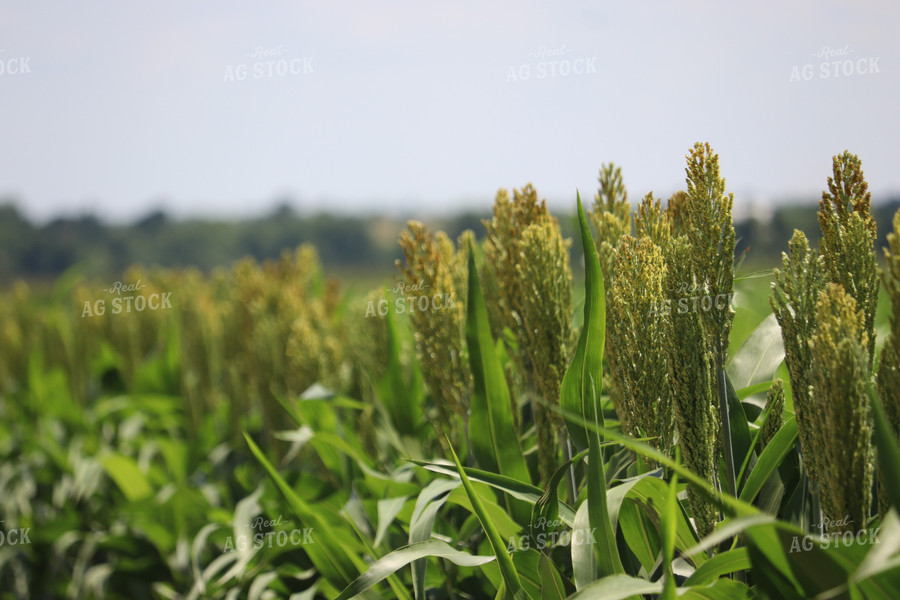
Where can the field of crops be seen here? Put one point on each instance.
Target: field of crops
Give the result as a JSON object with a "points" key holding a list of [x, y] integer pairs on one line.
{"points": [[661, 423]]}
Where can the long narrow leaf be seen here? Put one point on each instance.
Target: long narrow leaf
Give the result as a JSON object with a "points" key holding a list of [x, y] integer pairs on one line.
{"points": [[492, 433], [770, 459], [888, 450], [396, 560], [504, 560], [327, 554], [580, 393]]}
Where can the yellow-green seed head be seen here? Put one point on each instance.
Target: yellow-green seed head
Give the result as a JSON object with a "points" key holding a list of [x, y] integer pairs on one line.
{"points": [[839, 376]]}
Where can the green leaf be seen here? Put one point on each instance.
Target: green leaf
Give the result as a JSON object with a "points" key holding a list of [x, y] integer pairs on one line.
{"points": [[580, 393], [546, 509], [770, 564], [403, 401], [128, 477], [723, 589], [771, 458], [396, 560], [515, 488], [492, 434], [668, 526], [651, 493], [726, 530], [752, 390], [725, 502], [736, 432], [888, 450], [387, 511], [720, 564], [328, 554], [759, 355], [640, 533], [617, 587], [580, 390], [504, 560], [584, 566], [551, 583], [421, 524]]}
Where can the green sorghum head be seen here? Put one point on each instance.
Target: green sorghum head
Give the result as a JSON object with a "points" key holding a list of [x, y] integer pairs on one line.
{"points": [[795, 293], [840, 376], [848, 238], [710, 229], [635, 329]]}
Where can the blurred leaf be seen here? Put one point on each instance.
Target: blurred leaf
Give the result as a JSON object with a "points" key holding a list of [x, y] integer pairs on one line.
{"points": [[719, 565], [551, 583], [128, 477], [888, 449], [396, 560], [328, 553], [401, 399]]}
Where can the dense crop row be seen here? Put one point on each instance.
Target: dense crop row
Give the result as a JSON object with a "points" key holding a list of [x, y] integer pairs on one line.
{"points": [[259, 433]]}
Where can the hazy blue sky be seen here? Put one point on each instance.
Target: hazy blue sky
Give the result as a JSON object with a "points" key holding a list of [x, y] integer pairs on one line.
{"points": [[410, 106]]}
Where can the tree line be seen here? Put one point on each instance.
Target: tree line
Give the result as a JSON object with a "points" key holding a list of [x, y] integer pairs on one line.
{"points": [[346, 243]]}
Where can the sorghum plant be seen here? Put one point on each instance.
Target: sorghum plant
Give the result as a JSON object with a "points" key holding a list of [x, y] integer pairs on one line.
{"points": [[434, 265], [635, 330], [839, 376], [528, 259], [652, 222], [692, 385], [848, 238], [612, 218], [774, 413], [795, 292], [710, 229]]}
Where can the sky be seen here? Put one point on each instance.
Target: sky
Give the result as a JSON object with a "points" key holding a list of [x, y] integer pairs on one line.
{"points": [[228, 109]]}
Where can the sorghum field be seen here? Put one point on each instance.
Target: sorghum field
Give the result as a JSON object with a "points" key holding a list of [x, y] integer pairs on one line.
{"points": [[494, 423]]}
